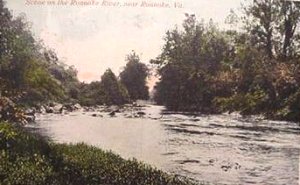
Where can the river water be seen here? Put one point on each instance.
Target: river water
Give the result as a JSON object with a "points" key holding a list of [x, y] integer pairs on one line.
{"points": [[216, 149]]}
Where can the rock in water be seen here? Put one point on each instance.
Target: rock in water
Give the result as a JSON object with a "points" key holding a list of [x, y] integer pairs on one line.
{"points": [[77, 106], [141, 113], [58, 108], [113, 113], [30, 118], [49, 110], [97, 115], [42, 110]]}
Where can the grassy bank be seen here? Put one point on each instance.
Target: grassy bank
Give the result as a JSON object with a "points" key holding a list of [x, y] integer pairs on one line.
{"points": [[29, 159]]}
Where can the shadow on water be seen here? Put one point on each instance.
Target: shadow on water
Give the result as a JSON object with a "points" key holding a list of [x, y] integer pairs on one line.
{"points": [[39, 131], [186, 131]]}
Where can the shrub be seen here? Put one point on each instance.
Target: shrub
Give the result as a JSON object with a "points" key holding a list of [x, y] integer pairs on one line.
{"points": [[10, 112], [249, 103]]}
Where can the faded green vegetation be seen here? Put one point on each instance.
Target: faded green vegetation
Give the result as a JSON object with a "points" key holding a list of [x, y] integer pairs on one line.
{"points": [[113, 90], [252, 67], [134, 78], [29, 159], [25, 68], [31, 74]]}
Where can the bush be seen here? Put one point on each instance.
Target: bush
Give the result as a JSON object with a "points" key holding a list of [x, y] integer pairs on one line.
{"points": [[290, 110], [249, 103], [10, 112]]}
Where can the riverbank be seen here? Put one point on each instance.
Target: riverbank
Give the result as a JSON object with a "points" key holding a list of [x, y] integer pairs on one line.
{"points": [[30, 159]]}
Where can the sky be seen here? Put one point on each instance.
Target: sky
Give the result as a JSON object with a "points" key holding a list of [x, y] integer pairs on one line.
{"points": [[94, 38]]}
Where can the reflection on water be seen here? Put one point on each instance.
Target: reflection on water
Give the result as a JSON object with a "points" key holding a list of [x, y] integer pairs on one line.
{"points": [[218, 149]]}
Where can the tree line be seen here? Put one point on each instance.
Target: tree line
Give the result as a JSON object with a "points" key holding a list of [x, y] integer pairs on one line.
{"points": [[31, 74], [253, 67], [111, 90]]}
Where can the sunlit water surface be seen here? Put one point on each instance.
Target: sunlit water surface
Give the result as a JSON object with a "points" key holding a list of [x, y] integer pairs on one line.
{"points": [[217, 149]]}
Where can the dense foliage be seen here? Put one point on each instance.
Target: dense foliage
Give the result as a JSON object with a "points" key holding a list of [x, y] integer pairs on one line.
{"points": [[30, 160], [32, 74], [134, 78], [109, 91], [253, 69], [10, 112], [190, 64], [115, 93], [28, 70]]}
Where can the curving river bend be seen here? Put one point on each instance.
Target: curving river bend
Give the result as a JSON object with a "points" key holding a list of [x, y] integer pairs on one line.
{"points": [[217, 149]]}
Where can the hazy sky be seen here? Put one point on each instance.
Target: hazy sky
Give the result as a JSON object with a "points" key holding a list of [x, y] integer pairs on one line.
{"points": [[94, 38]]}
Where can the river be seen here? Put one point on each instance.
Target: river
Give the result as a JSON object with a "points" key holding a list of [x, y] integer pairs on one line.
{"points": [[216, 149]]}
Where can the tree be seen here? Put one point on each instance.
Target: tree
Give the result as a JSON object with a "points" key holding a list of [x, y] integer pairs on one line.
{"points": [[272, 25], [28, 69], [114, 92], [134, 78], [290, 17], [188, 64], [267, 60], [91, 94]]}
